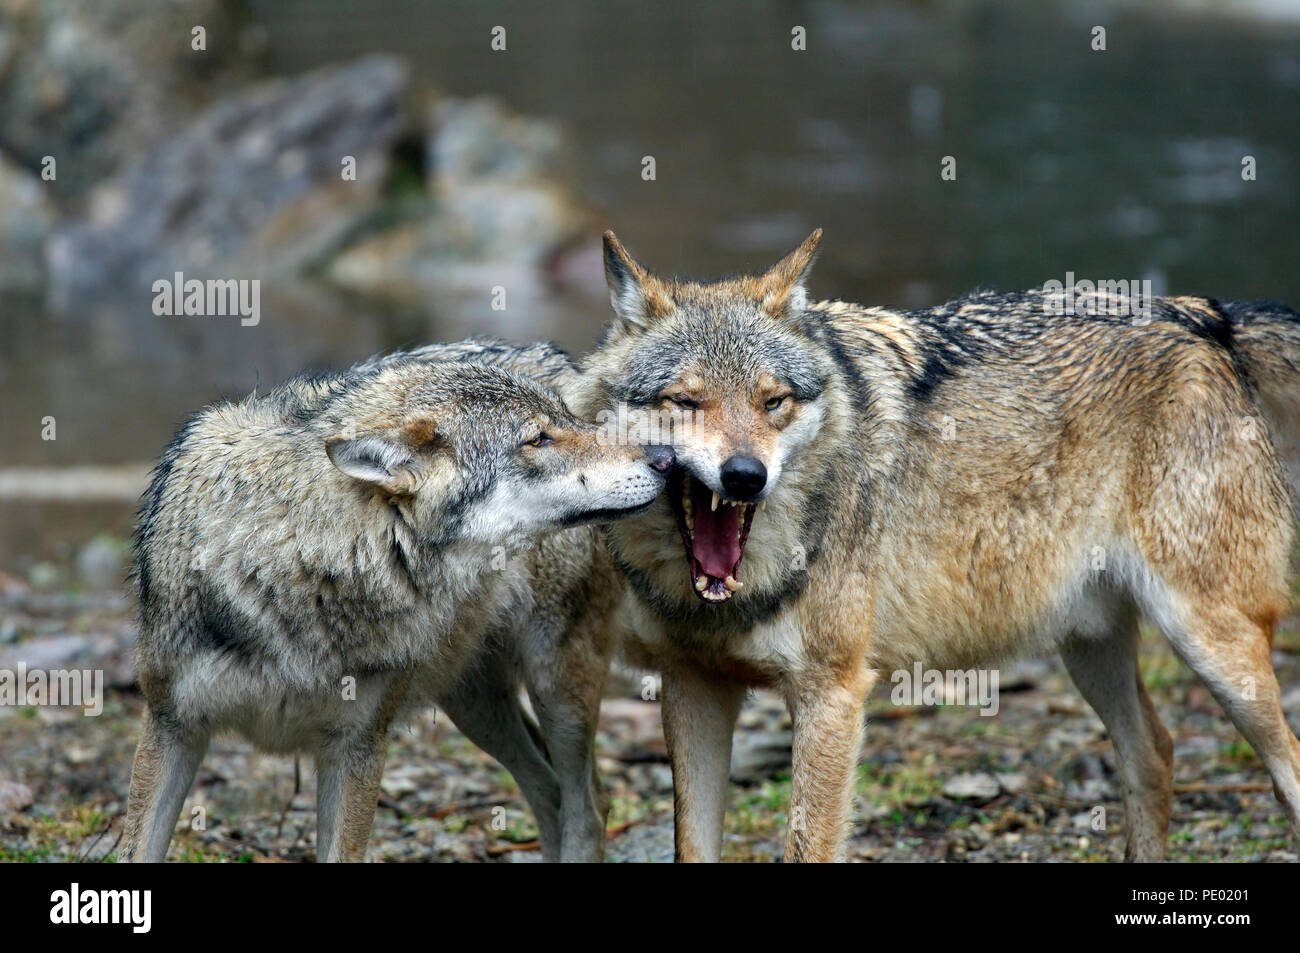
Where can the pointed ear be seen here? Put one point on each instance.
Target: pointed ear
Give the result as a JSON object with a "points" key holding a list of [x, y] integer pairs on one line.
{"points": [[376, 460], [782, 287], [636, 296]]}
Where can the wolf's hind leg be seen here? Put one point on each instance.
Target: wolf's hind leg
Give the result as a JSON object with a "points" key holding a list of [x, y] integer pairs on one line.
{"points": [[487, 710], [164, 769], [1232, 655], [1105, 670]]}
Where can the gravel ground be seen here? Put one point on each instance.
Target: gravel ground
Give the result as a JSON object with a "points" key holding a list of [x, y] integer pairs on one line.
{"points": [[935, 783]]}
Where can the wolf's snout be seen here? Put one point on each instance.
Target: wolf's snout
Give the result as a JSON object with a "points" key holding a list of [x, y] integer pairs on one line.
{"points": [[660, 458], [744, 478]]}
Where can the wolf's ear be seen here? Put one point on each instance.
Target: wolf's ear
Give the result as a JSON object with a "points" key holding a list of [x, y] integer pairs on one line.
{"points": [[637, 296], [782, 288], [375, 460]]}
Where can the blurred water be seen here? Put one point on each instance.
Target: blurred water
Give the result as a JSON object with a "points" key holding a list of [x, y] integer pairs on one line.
{"points": [[1115, 164]]}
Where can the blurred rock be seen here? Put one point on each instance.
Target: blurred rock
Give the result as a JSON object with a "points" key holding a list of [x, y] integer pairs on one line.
{"points": [[112, 651], [95, 82], [972, 787], [633, 721], [759, 756], [11, 585], [14, 797], [44, 575], [642, 844], [101, 565], [26, 217], [1013, 783], [501, 215], [253, 186], [476, 139]]}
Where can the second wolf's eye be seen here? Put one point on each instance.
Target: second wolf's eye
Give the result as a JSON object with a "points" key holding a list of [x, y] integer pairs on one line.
{"points": [[684, 400], [541, 440], [774, 402]]}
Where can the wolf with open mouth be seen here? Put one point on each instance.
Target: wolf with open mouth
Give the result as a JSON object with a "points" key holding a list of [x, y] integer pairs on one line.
{"points": [[859, 490]]}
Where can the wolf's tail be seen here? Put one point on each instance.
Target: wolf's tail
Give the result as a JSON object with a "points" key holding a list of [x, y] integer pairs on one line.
{"points": [[1267, 335]]}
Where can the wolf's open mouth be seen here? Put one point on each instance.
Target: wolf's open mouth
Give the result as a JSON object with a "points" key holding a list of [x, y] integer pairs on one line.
{"points": [[714, 531]]}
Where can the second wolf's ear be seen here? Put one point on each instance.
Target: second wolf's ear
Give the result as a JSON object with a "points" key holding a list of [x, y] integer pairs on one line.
{"points": [[636, 295], [375, 460], [782, 288]]}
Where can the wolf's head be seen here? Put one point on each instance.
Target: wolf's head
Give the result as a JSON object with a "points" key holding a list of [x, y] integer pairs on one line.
{"points": [[476, 452], [736, 362]]}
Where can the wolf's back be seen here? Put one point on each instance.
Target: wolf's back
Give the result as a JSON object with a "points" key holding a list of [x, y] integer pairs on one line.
{"points": [[1267, 335], [541, 361]]}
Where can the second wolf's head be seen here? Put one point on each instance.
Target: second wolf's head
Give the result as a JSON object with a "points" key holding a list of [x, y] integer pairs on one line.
{"points": [[744, 379], [469, 451]]}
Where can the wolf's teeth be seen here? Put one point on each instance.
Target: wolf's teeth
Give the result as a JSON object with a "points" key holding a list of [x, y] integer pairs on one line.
{"points": [[715, 502], [690, 523], [732, 583], [762, 505], [701, 583]]}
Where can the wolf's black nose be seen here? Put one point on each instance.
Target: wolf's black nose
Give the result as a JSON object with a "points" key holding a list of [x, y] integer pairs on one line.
{"points": [[660, 458], [744, 477]]}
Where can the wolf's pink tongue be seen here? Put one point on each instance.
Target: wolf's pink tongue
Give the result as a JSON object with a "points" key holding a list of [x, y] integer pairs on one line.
{"points": [[717, 535]]}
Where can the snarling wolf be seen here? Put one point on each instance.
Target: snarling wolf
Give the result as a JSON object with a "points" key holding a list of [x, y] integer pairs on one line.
{"points": [[314, 563], [864, 489]]}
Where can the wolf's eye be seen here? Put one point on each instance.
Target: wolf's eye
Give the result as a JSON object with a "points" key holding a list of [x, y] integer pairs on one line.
{"points": [[684, 400], [541, 440], [774, 402]]}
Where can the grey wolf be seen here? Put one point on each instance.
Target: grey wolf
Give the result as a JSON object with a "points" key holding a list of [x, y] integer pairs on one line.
{"points": [[317, 562], [937, 486]]}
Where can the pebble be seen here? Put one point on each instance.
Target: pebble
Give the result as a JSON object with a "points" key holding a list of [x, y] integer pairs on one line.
{"points": [[14, 797], [972, 787]]}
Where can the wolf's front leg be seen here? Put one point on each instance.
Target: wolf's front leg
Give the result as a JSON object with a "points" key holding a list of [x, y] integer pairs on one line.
{"points": [[347, 795], [165, 764], [349, 768], [699, 714], [826, 707]]}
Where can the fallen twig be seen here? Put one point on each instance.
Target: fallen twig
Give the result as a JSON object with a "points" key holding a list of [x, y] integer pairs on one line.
{"points": [[1210, 787]]}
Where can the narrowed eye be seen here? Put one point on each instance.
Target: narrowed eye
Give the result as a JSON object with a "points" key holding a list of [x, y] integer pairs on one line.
{"points": [[541, 440], [774, 402], [684, 400]]}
